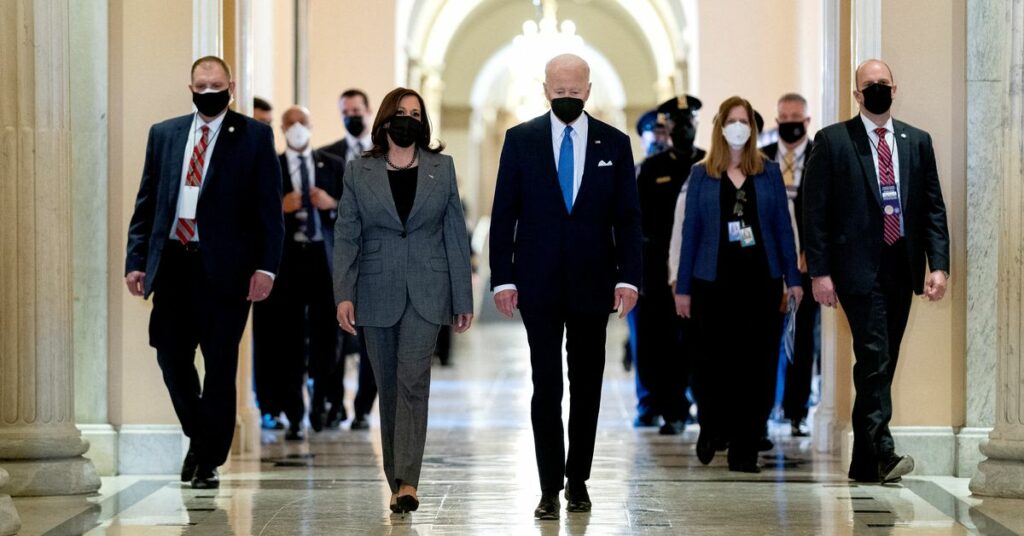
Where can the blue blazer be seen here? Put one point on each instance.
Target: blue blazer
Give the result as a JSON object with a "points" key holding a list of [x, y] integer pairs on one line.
{"points": [[702, 227], [557, 260]]}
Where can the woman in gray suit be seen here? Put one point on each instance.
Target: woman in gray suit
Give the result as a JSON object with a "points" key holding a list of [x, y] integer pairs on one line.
{"points": [[401, 270]]}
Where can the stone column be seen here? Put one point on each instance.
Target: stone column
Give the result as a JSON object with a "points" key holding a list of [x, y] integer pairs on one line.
{"points": [[10, 523], [1002, 474], [39, 444]]}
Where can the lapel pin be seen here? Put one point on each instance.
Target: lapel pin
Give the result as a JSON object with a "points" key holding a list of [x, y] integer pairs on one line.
{"points": [[903, 135], [431, 176], [231, 129], [319, 164], [597, 142]]}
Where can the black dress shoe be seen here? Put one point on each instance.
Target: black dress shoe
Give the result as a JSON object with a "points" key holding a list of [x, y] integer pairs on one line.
{"points": [[705, 448], [893, 468], [547, 508], [672, 428], [316, 420], [335, 418], [576, 497], [359, 423], [294, 433], [205, 479], [765, 444], [188, 467], [407, 503], [747, 467]]}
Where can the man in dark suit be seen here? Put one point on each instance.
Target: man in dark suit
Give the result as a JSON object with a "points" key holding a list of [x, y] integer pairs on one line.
{"points": [[873, 213], [791, 152], [565, 250], [301, 307], [354, 106], [661, 357], [212, 176]]}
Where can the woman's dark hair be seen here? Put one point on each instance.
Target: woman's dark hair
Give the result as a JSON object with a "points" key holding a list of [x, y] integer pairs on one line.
{"points": [[388, 109]]}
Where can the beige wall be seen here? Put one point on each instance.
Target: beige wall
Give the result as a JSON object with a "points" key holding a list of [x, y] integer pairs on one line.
{"points": [[150, 56], [352, 44], [929, 67]]}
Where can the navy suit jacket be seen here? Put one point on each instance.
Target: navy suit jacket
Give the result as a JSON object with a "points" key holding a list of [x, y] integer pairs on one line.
{"points": [[239, 217], [329, 173], [702, 227], [557, 260]]}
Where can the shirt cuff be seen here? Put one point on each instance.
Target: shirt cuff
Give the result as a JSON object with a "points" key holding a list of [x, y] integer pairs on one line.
{"points": [[627, 285], [500, 288], [270, 274]]}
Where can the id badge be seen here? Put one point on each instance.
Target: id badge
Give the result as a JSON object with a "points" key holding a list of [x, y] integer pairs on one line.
{"points": [[189, 200], [747, 237], [890, 200], [735, 231]]}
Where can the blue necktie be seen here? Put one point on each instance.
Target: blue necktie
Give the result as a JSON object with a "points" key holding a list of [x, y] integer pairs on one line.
{"points": [[565, 171], [306, 227]]}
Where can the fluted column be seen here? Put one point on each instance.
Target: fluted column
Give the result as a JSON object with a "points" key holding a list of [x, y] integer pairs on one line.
{"points": [[1002, 474], [39, 444]]}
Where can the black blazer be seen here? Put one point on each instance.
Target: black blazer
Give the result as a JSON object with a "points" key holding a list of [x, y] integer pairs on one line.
{"points": [[239, 214], [560, 261], [338, 149], [843, 207], [329, 174], [772, 152]]}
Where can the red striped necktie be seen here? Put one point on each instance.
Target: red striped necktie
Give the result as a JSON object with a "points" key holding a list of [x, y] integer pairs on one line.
{"points": [[887, 177], [186, 228]]}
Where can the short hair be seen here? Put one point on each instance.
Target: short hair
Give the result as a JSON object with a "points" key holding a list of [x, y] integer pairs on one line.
{"points": [[793, 97], [260, 104], [211, 59], [349, 93]]}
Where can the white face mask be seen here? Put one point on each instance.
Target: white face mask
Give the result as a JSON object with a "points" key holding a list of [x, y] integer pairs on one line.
{"points": [[736, 134], [297, 136]]}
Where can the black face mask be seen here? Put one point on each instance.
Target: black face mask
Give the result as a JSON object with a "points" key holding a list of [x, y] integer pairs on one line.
{"points": [[683, 134], [211, 104], [567, 109], [792, 132], [354, 125], [405, 130], [877, 98]]}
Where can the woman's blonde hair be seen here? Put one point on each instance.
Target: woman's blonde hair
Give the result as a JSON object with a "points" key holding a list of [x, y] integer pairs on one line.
{"points": [[718, 158]]}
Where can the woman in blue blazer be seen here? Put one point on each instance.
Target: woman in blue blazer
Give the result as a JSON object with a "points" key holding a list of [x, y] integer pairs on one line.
{"points": [[738, 259]]}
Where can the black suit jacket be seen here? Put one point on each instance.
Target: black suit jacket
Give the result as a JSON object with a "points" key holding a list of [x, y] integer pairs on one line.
{"points": [[338, 149], [557, 260], [843, 207], [238, 217], [772, 152], [329, 174]]}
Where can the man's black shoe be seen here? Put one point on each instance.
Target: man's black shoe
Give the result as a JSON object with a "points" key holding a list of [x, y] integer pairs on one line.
{"points": [[547, 508], [705, 448], [893, 468], [749, 467], [576, 497], [294, 433], [205, 479], [672, 428], [360, 423], [188, 467], [335, 418], [316, 420], [765, 444]]}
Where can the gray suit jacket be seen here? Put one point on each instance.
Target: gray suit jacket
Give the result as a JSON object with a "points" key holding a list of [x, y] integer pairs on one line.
{"points": [[379, 264]]}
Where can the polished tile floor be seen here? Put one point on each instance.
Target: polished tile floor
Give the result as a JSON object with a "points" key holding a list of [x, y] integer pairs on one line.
{"points": [[479, 478]]}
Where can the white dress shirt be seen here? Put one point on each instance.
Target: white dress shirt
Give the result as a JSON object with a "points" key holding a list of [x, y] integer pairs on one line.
{"points": [[580, 129], [357, 146], [890, 140], [295, 174], [792, 189]]}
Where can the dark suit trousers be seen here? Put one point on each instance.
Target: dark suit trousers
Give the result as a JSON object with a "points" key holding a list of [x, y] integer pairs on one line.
{"points": [[267, 352], [188, 312], [585, 336], [798, 373], [367, 391], [661, 362], [308, 322], [877, 322]]}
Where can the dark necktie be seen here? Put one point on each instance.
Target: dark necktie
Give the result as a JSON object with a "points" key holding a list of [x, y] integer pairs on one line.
{"points": [[307, 202], [887, 177]]}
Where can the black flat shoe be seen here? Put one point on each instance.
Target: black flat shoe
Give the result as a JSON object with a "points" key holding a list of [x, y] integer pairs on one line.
{"points": [[892, 470], [394, 505], [188, 467], [407, 503], [576, 497], [548, 507], [751, 467], [705, 448], [205, 479], [316, 420], [359, 423]]}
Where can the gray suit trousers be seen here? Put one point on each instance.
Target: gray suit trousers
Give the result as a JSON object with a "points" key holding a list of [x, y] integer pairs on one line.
{"points": [[400, 356]]}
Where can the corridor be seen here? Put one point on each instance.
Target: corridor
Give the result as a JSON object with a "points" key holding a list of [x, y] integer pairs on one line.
{"points": [[480, 478]]}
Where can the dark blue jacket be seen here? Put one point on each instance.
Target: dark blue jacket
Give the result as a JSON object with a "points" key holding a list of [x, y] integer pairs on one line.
{"points": [[702, 227], [239, 216], [557, 260]]}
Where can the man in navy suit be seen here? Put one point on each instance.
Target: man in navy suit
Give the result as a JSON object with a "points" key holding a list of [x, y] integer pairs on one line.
{"points": [[565, 250], [205, 240]]}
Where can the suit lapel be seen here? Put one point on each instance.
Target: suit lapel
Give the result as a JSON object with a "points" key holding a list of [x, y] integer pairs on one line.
{"points": [[545, 148], [425, 182], [903, 153], [378, 184], [592, 157], [861, 143], [174, 164], [286, 175], [230, 132]]}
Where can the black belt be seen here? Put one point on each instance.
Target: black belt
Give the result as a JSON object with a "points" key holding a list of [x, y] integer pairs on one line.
{"points": [[307, 245], [188, 247]]}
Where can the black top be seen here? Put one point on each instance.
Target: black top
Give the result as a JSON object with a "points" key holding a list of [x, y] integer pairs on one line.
{"points": [[403, 190], [735, 262]]}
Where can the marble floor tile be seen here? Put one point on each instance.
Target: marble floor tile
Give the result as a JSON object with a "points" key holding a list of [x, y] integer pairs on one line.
{"points": [[479, 478]]}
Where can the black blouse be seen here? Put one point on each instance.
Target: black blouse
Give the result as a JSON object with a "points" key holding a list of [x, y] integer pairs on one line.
{"points": [[403, 190], [736, 262]]}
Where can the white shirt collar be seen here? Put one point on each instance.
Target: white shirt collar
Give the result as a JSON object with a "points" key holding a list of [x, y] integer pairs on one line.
{"points": [[363, 140], [871, 126], [579, 126], [214, 123], [292, 153], [798, 151]]}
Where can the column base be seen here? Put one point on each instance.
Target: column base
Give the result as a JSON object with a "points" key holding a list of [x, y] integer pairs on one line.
{"points": [[968, 450], [102, 440], [52, 476], [1002, 474], [826, 436], [10, 523]]}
